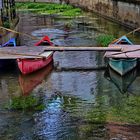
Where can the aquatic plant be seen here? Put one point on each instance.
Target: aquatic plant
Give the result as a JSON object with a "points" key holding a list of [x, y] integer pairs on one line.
{"points": [[25, 103], [49, 8], [105, 39], [127, 112], [72, 12]]}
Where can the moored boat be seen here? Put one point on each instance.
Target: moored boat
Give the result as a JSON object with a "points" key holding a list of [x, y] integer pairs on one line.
{"points": [[122, 66], [11, 42], [27, 66], [7, 63]]}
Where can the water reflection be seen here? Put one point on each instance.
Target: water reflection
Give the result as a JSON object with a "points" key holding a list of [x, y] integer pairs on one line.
{"points": [[29, 82], [123, 83], [15, 85]]}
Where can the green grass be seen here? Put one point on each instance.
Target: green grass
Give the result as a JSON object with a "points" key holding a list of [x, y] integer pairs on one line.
{"points": [[104, 40], [49, 8]]}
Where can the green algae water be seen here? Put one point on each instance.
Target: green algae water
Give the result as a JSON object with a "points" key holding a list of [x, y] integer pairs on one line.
{"points": [[72, 104]]}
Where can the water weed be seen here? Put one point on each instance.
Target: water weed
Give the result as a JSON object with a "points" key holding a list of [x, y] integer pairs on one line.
{"points": [[50, 8]]}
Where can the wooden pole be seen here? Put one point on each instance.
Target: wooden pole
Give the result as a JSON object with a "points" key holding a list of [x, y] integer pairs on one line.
{"points": [[50, 48], [21, 55], [68, 69]]}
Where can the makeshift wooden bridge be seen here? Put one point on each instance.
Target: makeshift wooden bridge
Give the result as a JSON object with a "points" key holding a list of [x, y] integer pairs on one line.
{"points": [[113, 51], [36, 52]]}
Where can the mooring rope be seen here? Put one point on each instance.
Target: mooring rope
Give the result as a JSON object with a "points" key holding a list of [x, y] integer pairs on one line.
{"points": [[33, 37], [132, 31]]}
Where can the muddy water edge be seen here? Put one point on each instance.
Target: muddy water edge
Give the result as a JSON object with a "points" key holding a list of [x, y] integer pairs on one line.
{"points": [[70, 104]]}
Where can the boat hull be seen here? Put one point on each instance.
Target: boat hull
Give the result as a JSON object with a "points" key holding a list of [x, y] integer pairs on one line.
{"points": [[8, 63], [123, 66], [27, 66]]}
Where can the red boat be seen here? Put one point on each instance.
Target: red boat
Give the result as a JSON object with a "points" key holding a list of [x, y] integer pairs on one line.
{"points": [[27, 66]]}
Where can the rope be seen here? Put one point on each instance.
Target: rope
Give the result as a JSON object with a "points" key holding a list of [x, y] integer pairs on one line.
{"points": [[33, 37], [133, 31]]}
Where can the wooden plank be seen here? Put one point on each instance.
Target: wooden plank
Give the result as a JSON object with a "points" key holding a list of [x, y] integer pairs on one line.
{"points": [[128, 51], [113, 51], [49, 48], [36, 51], [40, 49], [68, 69], [16, 57], [20, 52], [22, 49]]}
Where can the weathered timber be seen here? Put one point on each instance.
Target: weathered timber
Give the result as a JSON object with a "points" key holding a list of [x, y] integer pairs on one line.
{"points": [[128, 51], [82, 48], [75, 69], [34, 52], [113, 51], [20, 52]]}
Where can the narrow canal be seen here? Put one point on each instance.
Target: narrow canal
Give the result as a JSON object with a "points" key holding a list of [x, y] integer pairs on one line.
{"points": [[65, 103]]}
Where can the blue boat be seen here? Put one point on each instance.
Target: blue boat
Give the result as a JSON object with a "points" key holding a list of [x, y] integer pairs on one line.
{"points": [[123, 66], [8, 63], [11, 42]]}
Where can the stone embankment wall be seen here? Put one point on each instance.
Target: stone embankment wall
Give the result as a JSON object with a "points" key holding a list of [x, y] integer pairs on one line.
{"points": [[126, 12], [123, 12]]}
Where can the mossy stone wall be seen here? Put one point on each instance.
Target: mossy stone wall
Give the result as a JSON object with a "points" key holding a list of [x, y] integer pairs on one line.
{"points": [[126, 13]]}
